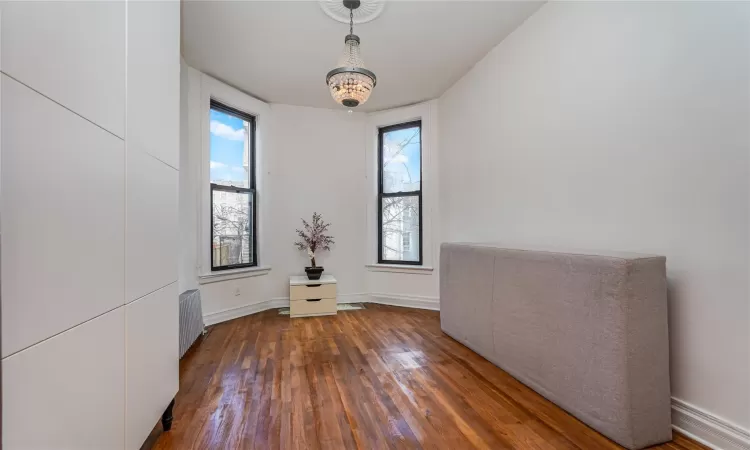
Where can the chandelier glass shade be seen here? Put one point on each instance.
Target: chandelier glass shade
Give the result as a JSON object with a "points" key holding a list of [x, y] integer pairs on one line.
{"points": [[350, 83]]}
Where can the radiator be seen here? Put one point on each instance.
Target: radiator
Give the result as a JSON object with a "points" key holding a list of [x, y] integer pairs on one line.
{"points": [[191, 319]]}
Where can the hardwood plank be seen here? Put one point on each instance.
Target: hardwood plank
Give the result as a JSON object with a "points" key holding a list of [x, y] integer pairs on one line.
{"points": [[383, 377]]}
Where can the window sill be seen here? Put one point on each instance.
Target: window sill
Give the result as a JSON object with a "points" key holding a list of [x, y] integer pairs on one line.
{"points": [[234, 274], [398, 268]]}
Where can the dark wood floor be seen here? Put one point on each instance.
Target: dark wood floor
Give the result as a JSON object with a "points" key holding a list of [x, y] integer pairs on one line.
{"points": [[380, 378]]}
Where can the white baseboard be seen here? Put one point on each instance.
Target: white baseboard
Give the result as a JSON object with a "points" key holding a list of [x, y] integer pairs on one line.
{"points": [[235, 313], [432, 303], [407, 301], [708, 429], [353, 298]]}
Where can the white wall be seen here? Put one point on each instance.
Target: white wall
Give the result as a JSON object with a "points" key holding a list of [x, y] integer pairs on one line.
{"points": [[316, 165], [311, 160], [621, 126], [233, 291]]}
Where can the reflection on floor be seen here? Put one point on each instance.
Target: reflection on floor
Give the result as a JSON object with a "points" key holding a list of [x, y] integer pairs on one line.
{"points": [[377, 378]]}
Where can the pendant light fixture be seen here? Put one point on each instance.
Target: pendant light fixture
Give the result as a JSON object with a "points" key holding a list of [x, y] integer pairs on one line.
{"points": [[350, 82]]}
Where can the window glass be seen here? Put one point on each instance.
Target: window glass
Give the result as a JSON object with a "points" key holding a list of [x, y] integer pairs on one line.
{"points": [[232, 228], [400, 221], [402, 160], [230, 153]]}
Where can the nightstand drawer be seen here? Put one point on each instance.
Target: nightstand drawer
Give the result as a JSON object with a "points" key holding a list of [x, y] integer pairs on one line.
{"points": [[315, 307], [312, 290]]}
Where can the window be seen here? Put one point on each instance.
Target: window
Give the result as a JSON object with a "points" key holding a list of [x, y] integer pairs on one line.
{"points": [[232, 178], [400, 194]]}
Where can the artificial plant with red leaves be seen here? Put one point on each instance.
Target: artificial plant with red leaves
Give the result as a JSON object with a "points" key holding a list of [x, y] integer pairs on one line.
{"points": [[313, 238]]}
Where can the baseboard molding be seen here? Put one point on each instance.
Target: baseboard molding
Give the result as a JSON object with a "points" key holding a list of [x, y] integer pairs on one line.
{"points": [[277, 302], [353, 298], [407, 301], [708, 429], [236, 313]]}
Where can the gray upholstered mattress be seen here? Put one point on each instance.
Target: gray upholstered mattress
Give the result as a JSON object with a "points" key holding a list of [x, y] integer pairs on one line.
{"points": [[586, 331]]}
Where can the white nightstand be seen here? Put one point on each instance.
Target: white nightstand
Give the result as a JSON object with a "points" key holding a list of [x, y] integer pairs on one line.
{"points": [[312, 297]]}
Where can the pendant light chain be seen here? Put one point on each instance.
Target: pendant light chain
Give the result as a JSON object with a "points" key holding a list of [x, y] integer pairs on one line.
{"points": [[351, 21]]}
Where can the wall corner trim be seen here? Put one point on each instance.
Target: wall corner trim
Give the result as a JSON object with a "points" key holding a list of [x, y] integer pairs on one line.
{"points": [[708, 429]]}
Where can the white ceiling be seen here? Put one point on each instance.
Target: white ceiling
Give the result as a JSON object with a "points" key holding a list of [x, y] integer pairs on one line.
{"points": [[280, 51]]}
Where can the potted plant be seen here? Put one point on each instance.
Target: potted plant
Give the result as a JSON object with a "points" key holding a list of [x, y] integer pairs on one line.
{"points": [[313, 239]]}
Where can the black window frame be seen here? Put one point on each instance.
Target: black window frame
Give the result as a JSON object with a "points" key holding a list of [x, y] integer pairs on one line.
{"points": [[251, 190], [382, 195]]}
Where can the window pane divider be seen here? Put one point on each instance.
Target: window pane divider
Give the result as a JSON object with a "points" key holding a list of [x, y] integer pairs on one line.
{"points": [[401, 194], [399, 262], [222, 187]]}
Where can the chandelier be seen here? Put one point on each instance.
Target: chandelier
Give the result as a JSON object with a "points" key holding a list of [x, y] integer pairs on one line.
{"points": [[350, 82]]}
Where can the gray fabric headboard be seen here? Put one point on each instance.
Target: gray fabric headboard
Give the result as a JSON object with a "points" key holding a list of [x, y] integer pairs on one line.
{"points": [[588, 331]]}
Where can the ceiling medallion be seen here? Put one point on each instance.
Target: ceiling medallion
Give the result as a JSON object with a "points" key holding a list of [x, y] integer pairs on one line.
{"points": [[350, 83], [367, 11]]}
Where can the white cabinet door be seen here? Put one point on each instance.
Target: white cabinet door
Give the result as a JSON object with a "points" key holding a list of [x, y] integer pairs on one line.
{"points": [[68, 392], [63, 206], [153, 93], [153, 100], [72, 52], [151, 228], [152, 361], [152, 314]]}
